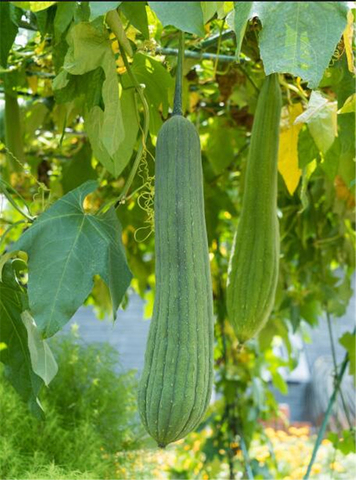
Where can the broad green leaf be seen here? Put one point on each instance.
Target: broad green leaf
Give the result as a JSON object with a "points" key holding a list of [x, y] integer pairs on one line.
{"points": [[348, 342], [242, 14], [78, 170], [66, 247], [188, 17], [349, 105], [330, 163], [64, 15], [209, 9], [288, 147], [136, 13], [34, 117], [67, 87], [158, 84], [34, 6], [294, 40], [8, 28], [321, 117], [42, 360], [89, 49], [97, 9], [222, 143], [307, 150], [121, 157], [13, 335]]}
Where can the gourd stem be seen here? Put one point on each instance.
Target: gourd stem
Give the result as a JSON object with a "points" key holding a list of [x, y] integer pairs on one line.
{"points": [[177, 108]]}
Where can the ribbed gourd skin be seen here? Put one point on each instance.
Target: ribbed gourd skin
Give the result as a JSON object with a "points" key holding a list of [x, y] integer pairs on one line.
{"points": [[254, 261], [177, 379]]}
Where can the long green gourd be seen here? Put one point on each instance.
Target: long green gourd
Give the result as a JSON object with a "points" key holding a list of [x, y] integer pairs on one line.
{"points": [[253, 268], [176, 383]]}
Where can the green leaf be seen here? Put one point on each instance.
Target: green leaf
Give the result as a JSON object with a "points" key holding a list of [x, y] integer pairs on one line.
{"points": [[346, 444], [66, 248], [159, 87], [295, 40], [121, 157], [8, 28], [89, 49], [349, 106], [188, 17], [42, 360], [15, 355], [242, 14], [321, 117], [222, 144], [68, 87], [348, 342], [34, 6], [64, 15], [209, 9], [307, 150], [97, 9], [136, 13], [330, 165], [78, 170], [279, 382]]}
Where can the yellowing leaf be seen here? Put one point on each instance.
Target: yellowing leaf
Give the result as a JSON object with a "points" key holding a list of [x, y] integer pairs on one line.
{"points": [[34, 6], [348, 36], [288, 147], [33, 83]]}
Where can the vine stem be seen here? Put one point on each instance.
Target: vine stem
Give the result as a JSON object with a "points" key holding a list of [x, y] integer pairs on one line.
{"points": [[5, 192], [327, 415], [146, 116], [246, 458], [333, 353], [177, 107]]}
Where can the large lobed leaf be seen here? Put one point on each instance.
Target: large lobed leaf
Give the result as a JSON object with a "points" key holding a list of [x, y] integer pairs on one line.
{"points": [[66, 248], [296, 37]]}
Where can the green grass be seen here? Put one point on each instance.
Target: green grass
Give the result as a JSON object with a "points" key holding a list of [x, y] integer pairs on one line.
{"points": [[90, 411]]}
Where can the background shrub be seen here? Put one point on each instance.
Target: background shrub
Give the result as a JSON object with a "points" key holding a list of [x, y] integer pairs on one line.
{"points": [[90, 411]]}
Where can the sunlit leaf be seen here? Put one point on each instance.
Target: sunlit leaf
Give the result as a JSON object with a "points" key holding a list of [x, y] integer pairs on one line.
{"points": [[321, 117], [42, 360], [349, 105], [34, 6]]}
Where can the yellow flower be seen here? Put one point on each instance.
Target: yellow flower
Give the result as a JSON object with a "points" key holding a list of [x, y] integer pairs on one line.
{"points": [[325, 442], [222, 451], [205, 476], [337, 467], [316, 468]]}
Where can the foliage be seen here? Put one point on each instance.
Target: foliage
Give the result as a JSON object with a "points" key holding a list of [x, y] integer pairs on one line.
{"points": [[90, 410], [80, 112]]}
